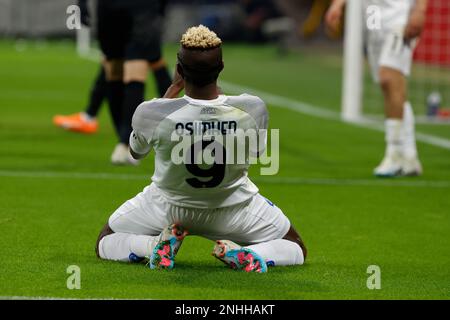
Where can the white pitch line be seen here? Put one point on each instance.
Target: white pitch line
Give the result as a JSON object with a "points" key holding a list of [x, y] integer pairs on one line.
{"points": [[259, 179], [282, 102]]}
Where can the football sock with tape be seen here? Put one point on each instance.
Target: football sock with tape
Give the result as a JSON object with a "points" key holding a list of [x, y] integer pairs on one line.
{"points": [[409, 147], [97, 95], [279, 252], [134, 96], [115, 93], [118, 246], [163, 80]]}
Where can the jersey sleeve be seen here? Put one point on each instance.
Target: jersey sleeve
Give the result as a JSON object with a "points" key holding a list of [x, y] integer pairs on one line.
{"points": [[257, 109]]}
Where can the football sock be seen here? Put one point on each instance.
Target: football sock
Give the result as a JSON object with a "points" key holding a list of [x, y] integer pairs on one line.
{"points": [[119, 246], [134, 96], [410, 148], [394, 137], [280, 252], [98, 94], [163, 80], [114, 93]]}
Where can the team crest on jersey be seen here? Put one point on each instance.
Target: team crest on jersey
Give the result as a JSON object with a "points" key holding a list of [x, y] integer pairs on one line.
{"points": [[208, 110]]}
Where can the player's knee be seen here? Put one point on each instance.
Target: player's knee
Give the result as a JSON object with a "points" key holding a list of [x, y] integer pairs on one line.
{"points": [[387, 82], [392, 81], [106, 230]]}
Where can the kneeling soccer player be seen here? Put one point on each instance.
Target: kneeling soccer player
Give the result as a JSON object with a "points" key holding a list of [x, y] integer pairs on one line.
{"points": [[220, 202]]}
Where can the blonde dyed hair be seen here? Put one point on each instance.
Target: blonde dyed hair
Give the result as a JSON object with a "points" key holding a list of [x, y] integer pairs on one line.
{"points": [[200, 37]]}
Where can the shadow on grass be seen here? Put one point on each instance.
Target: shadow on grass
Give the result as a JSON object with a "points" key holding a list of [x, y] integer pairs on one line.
{"points": [[218, 280]]}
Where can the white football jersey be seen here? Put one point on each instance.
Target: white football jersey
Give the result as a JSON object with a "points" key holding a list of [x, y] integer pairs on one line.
{"points": [[197, 185], [394, 13]]}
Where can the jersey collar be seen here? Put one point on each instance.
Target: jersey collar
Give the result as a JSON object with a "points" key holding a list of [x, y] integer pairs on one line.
{"points": [[219, 100]]}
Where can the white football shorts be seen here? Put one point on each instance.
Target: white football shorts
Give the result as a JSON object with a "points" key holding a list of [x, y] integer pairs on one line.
{"points": [[254, 221], [388, 49]]}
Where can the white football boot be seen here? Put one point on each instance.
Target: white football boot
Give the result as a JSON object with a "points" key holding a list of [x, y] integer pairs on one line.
{"points": [[122, 156], [390, 166], [411, 167]]}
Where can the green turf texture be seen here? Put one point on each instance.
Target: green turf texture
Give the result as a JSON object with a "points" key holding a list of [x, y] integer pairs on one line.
{"points": [[49, 223]]}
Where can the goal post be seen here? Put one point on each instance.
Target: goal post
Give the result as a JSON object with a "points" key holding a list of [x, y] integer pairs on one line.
{"points": [[353, 62]]}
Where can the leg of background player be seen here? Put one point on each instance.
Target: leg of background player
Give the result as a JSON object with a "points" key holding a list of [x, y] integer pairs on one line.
{"points": [[162, 76], [410, 148], [135, 76], [281, 252], [393, 85], [124, 246], [411, 163]]}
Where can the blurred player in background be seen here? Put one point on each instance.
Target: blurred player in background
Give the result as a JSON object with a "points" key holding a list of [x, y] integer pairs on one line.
{"points": [[390, 52], [86, 122], [218, 201]]}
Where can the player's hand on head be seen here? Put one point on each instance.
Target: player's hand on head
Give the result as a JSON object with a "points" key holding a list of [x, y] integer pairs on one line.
{"points": [[415, 24]]}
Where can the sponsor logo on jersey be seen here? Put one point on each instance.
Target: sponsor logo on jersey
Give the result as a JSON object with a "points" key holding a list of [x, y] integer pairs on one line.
{"points": [[208, 110]]}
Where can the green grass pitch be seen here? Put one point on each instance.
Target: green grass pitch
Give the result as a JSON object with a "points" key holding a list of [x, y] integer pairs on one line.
{"points": [[57, 189]]}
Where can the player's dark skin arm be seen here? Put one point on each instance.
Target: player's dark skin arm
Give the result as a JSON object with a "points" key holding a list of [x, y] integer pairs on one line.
{"points": [[103, 233]]}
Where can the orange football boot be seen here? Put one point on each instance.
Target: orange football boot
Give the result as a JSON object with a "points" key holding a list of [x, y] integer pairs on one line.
{"points": [[76, 122]]}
